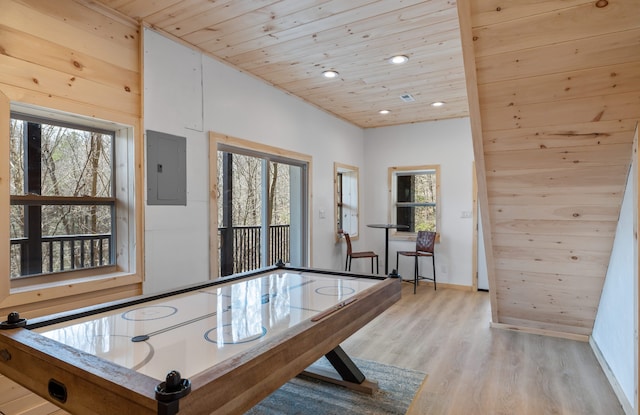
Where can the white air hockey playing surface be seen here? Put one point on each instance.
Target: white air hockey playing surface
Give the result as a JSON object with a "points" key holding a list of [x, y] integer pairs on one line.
{"points": [[193, 331]]}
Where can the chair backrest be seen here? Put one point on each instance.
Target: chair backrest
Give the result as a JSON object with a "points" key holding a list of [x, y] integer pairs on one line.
{"points": [[425, 241], [348, 239]]}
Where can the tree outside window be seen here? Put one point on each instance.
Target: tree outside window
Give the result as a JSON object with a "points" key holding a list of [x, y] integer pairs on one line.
{"points": [[415, 198], [62, 197], [255, 198], [346, 200]]}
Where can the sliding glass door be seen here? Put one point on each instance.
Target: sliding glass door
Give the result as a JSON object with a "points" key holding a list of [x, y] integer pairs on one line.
{"points": [[262, 205]]}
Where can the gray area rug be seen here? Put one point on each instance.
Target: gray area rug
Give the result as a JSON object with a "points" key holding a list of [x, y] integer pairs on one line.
{"points": [[308, 396]]}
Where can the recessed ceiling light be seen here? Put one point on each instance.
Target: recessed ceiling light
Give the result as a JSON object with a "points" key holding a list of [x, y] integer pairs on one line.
{"points": [[437, 104], [384, 112], [399, 59], [330, 74]]}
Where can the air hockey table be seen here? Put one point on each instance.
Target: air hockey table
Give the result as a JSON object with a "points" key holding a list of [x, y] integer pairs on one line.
{"points": [[219, 347]]}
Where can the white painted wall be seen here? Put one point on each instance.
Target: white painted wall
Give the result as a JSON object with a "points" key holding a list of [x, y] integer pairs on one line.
{"points": [[188, 94], [447, 143], [613, 331], [176, 241]]}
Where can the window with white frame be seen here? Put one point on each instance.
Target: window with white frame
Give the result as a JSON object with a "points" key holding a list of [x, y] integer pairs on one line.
{"points": [[346, 199], [415, 198], [64, 204]]}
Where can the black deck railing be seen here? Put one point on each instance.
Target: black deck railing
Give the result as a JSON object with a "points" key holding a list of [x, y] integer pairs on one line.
{"points": [[247, 244], [69, 252], [65, 252]]}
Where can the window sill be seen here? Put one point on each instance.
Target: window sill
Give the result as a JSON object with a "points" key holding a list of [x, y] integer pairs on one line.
{"points": [[404, 236], [411, 237], [68, 288]]}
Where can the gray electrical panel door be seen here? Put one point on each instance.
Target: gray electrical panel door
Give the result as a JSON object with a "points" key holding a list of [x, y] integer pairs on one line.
{"points": [[166, 169]]}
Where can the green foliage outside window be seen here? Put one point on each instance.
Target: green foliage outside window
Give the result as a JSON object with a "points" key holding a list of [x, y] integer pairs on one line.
{"points": [[416, 199]]}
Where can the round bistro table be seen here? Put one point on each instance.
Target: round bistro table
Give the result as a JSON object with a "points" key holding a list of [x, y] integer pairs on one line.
{"points": [[386, 227]]}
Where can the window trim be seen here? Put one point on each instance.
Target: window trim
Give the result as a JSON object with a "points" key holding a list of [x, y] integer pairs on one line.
{"points": [[340, 168], [393, 173], [129, 244]]}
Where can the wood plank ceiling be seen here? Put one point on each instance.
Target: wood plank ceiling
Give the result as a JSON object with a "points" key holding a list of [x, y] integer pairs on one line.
{"points": [[554, 90], [558, 99], [289, 43]]}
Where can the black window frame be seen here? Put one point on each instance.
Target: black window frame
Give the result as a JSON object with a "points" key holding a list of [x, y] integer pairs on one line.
{"points": [[398, 216], [32, 262]]}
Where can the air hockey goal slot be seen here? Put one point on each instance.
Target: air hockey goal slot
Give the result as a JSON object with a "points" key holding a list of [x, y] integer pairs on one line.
{"points": [[57, 390]]}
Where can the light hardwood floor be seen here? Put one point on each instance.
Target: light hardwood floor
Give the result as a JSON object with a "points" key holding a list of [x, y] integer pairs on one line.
{"points": [[472, 369], [475, 369]]}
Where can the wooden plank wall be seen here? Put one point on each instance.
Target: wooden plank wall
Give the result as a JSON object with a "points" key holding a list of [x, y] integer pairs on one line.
{"points": [[70, 56], [67, 56], [558, 90]]}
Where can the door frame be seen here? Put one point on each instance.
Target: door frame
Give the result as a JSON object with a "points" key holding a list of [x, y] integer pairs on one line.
{"points": [[220, 141]]}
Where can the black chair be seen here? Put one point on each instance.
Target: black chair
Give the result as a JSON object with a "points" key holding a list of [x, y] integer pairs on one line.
{"points": [[356, 255], [425, 242]]}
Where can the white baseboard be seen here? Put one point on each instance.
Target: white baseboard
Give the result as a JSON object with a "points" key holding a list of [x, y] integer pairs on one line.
{"points": [[617, 389]]}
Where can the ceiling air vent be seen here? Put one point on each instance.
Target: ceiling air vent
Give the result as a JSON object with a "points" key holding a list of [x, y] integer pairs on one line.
{"points": [[407, 98]]}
